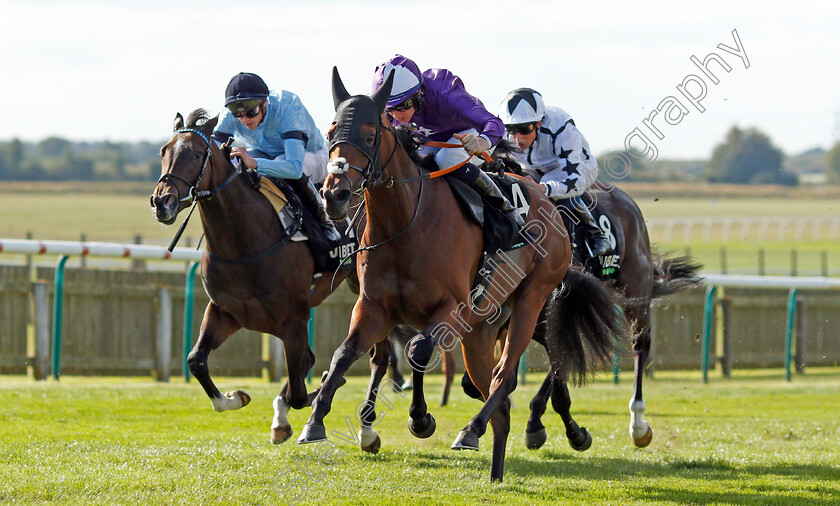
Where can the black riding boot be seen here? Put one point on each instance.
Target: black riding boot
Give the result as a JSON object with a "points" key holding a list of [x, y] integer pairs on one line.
{"points": [[598, 242], [310, 198], [491, 192]]}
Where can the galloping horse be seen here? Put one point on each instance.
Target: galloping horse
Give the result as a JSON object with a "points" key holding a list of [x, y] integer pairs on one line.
{"points": [[642, 277], [255, 276], [419, 257]]}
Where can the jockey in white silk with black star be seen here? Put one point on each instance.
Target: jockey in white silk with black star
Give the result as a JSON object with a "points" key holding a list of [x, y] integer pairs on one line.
{"points": [[555, 152]]}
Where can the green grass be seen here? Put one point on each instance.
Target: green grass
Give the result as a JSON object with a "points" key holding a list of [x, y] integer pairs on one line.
{"points": [[752, 439]]}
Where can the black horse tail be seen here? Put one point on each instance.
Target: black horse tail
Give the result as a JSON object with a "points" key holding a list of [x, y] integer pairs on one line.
{"points": [[672, 274], [584, 323]]}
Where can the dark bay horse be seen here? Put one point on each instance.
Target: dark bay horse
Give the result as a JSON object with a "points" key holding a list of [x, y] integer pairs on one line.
{"points": [[255, 277], [643, 277], [420, 255]]}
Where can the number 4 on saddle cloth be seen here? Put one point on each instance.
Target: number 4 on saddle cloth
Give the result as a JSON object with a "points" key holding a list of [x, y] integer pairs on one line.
{"points": [[300, 225], [604, 267]]}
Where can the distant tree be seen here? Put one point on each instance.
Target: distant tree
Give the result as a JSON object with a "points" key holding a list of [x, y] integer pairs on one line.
{"points": [[622, 166], [832, 164], [53, 147], [747, 157]]}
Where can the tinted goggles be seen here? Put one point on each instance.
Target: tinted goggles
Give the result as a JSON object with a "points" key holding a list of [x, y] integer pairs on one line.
{"points": [[250, 109], [408, 104], [523, 129]]}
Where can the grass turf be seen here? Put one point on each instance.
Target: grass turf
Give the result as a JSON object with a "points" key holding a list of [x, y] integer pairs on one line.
{"points": [[750, 439]]}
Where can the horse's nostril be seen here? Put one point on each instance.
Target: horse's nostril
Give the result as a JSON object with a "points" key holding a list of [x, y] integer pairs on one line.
{"points": [[343, 196]]}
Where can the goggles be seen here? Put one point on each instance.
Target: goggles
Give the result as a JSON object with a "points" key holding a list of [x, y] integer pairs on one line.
{"points": [[408, 104], [523, 129], [249, 109]]}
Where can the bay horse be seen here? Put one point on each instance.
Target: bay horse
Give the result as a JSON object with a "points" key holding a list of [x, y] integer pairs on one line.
{"points": [[255, 276], [643, 276], [418, 258]]}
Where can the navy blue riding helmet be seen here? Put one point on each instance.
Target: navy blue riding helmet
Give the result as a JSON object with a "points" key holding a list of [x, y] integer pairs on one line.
{"points": [[243, 87]]}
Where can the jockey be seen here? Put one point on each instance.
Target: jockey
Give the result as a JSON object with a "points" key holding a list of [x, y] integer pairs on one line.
{"points": [[556, 154], [436, 106], [280, 138]]}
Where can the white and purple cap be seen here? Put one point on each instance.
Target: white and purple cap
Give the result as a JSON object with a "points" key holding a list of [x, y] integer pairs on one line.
{"points": [[407, 78]]}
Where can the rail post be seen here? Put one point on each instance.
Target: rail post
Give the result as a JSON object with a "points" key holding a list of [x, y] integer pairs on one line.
{"points": [[791, 314], [58, 308], [163, 341], [189, 302], [41, 304], [708, 311]]}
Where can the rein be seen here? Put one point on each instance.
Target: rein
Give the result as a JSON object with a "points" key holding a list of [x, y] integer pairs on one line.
{"points": [[193, 194]]}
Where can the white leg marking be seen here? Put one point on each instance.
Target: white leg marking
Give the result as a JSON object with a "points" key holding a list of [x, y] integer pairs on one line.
{"points": [[280, 411], [638, 427], [227, 402], [367, 436]]}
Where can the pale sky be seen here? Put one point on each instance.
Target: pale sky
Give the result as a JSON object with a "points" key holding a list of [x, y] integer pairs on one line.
{"points": [[121, 70]]}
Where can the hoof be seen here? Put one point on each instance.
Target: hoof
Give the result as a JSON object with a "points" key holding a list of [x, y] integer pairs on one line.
{"points": [[312, 434], [245, 397], [466, 440], [644, 440], [424, 427], [535, 440], [582, 443], [281, 434], [340, 384], [374, 446], [408, 385]]}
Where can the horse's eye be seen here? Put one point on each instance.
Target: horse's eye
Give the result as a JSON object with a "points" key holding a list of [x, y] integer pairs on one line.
{"points": [[196, 155], [370, 139]]}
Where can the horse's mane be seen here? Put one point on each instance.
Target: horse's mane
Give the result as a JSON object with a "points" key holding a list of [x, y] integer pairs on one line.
{"points": [[197, 118], [505, 152]]}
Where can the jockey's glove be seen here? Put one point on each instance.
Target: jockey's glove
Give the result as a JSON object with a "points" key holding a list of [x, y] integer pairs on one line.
{"points": [[474, 144]]}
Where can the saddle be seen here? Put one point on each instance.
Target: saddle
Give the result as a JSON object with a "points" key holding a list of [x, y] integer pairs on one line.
{"points": [[499, 232], [605, 267], [299, 223]]}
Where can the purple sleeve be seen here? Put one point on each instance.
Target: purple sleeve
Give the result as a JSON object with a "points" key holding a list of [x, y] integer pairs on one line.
{"points": [[472, 112]]}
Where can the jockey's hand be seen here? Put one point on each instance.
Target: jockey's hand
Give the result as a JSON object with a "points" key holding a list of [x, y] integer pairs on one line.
{"points": [[473, 144], [247, 160]]}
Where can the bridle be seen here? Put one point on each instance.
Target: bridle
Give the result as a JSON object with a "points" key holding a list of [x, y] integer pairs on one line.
{"points": [[193, 193]]}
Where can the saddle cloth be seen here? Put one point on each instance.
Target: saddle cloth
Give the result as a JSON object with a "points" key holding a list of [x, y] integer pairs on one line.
{"points": [[298, 222]]}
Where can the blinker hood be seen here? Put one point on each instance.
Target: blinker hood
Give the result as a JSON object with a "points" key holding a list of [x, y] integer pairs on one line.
{"points": [[352, 112]]}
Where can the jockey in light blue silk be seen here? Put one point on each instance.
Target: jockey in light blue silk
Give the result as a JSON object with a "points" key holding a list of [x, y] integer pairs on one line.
{"points": [[280, 139]]}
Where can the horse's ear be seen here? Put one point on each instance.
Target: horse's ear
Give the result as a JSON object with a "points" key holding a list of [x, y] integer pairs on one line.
{"points": [[209, 125], [380, 96], [178, 123], [339, 91]]}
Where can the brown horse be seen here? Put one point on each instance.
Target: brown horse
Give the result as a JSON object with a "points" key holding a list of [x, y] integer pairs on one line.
{"points": [[256, 278], [419, 257], [642, 277]]}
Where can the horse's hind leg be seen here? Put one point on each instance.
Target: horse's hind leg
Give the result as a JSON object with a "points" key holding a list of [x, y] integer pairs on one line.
{"points": [[535, 431], [639, 429], [379, 360], [579, 437], [216, 327], [299, 360], [448, 375]]}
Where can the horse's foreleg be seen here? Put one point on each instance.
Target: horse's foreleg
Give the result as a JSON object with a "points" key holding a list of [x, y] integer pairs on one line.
{"points": [[367, 327], [579, 438], [379, 359], [522, 323], [216, 327], [448, 375], [535, 431], [639, 429]]}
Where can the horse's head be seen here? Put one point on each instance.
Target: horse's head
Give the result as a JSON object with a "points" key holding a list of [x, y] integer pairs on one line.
{"points": [[355, 138], [184, 160]]}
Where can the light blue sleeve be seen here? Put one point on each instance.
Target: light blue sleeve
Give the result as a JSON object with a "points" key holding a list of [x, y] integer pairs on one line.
{"points": [[291, 167]]}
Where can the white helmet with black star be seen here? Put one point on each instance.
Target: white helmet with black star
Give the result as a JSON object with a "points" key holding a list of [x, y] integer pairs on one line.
{"points": [[522, 105]]}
